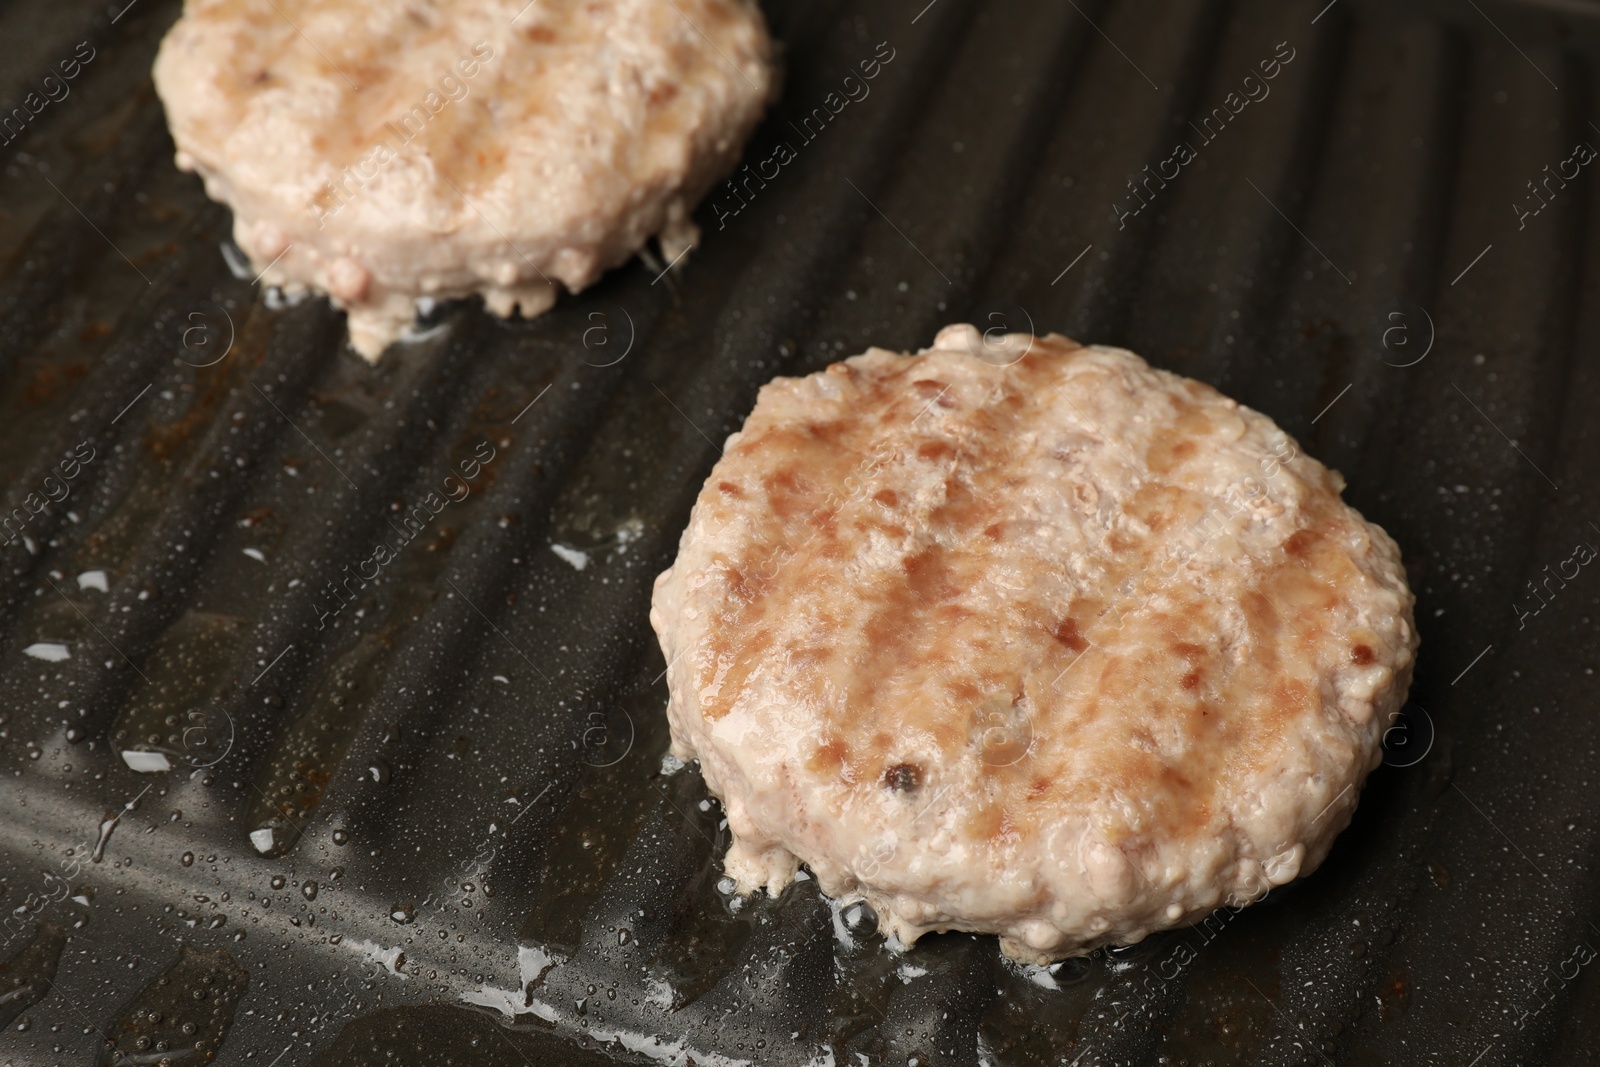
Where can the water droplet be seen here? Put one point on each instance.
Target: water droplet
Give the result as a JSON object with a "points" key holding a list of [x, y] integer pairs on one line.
{"points": [[403, 913], [309, 891], [187, 859], [860, 919], [277, 881], [108, 824], [624, 936], [1069, 971], [1135, 951], [340, 837]]}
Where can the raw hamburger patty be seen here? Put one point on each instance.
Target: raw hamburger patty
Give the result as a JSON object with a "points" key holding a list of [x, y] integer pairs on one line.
{"points": [[1025, 637], [380, 152]]}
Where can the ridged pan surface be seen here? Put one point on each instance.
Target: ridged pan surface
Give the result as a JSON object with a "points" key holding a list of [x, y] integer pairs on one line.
{"points": [[268, 801]]}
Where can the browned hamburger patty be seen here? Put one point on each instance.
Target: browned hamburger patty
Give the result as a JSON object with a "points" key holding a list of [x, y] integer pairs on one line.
{"points": [[382, 152], [1026, 637]]}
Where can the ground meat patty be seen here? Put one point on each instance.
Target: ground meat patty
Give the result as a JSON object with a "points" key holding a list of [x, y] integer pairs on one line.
{"points": [[380, 152], [1025, 637]]}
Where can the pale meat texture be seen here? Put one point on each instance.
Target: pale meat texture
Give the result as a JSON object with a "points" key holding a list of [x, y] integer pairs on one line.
{"points": [[1024, 637], [381, 152]]}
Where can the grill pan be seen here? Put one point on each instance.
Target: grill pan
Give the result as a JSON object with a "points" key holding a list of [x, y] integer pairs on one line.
{"points": [[253, 812]]}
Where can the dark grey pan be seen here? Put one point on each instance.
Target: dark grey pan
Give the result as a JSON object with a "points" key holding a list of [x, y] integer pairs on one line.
{"points": [[413, 812]]}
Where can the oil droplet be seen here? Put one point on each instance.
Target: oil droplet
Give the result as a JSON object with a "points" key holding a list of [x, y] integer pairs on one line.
{"points": [[860, 919], [1071, 970], [403, 913], [108, 824]]}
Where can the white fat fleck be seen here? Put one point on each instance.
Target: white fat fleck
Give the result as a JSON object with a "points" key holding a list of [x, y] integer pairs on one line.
{"points": [[385, 957], [907, 971], [94, 580], [657, 992], [823, 1058], [412, 335], [49, 651], [278, 298], [145, 762], [505, 1001], [533, 961], [255, 554], [262, 839], [238, 263], [575, 556], [841, 933], [630, 531], [1038, 975]]}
